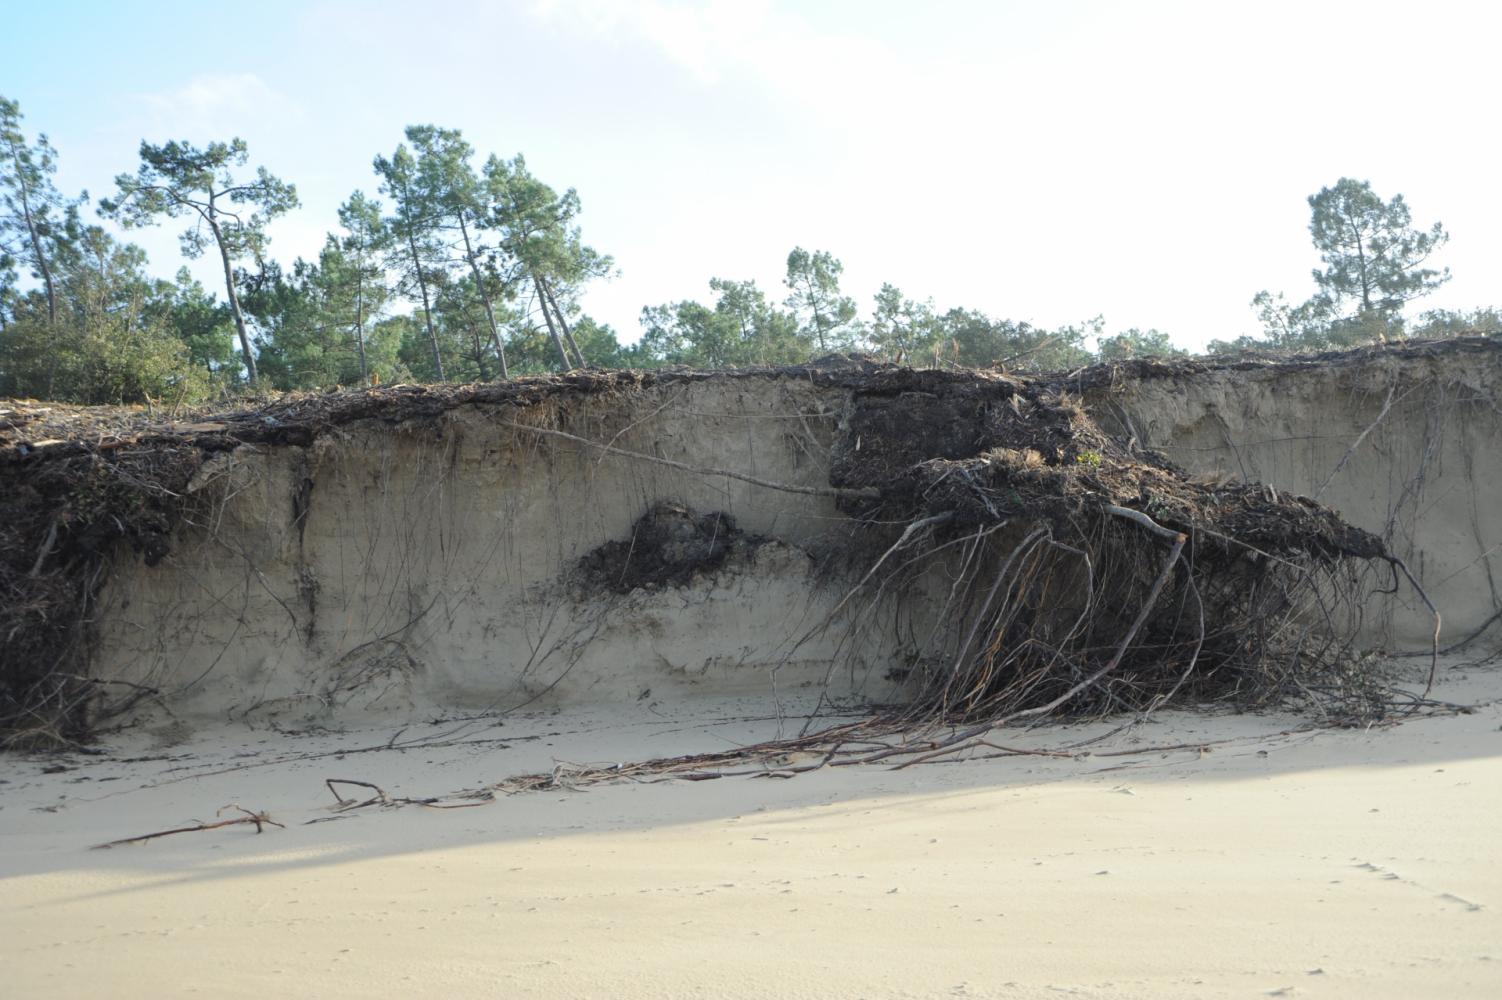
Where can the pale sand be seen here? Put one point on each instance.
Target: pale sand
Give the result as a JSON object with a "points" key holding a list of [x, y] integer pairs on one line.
{"points": [[1312, 864]]}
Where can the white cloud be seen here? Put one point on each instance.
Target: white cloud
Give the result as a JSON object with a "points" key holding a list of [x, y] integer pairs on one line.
{"points": [[216, 102], [719, 40], [703, 40]]}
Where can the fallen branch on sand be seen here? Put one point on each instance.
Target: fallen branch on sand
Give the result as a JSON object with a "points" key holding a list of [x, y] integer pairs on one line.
{"points": [[258, 819], [380, 798]]}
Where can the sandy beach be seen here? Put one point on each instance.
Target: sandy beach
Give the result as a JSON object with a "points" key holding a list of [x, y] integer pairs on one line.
{"points": [[1266, 859]]}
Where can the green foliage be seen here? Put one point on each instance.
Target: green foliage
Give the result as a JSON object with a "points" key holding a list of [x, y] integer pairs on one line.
{"points": [[280, 307], [1374, 265], [742, 328], [229, 213], [1373, 255], [462, 330], [1237, 345], [531, 349], [10, 292], [1293, 327], [363, 277], [600, 344], [113, 340], [1135, 343], [415, 253], [334, 290], [1367, 327], [487, 255], [542, 248], [1453, 323], [414, 350], [902, 328], [97, 328], [309, 321], [762, 334], [973, 340], [35, 219], [459, 328], [690, 333], [459, 208], [176, 179], [538, 227], [199, 320], [825, 315], [493, 264]]}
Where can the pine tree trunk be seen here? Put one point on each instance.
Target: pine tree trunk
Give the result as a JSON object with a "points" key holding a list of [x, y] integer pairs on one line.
{"points": [[360, 318], [495, 334], [36, 240], [552, 329], [427, 312], [42, 265], [234, 299], [567, 334]]}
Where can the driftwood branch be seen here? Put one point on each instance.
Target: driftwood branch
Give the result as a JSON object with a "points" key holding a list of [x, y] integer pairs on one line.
{"points": [[258, 819], [380, 798]]}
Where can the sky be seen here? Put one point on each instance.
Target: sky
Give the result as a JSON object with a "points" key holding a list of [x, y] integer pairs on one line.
{"points": [[1046, 162]]}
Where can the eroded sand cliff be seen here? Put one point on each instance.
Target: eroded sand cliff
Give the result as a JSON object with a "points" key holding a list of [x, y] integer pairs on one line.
{"points": [[1405, 442], [442, 562], [551, 544]]}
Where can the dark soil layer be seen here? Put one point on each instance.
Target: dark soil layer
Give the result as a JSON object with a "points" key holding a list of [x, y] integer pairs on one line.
{"points": [[669, 546], [994, 447]]}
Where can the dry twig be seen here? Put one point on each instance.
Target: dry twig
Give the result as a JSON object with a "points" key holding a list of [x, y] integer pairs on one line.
{"points": [[257, 819]]}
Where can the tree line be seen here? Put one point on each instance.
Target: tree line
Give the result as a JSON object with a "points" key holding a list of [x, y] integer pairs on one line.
{"points": [[455, 270], [1375, 263]]}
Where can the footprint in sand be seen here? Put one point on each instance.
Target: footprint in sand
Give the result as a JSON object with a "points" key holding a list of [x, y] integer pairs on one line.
{"points": [[1392, 876]]}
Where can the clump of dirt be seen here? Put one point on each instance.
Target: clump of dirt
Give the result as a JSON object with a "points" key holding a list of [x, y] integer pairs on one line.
{"points": [[669, 545], [903, 417], [986, 447]]}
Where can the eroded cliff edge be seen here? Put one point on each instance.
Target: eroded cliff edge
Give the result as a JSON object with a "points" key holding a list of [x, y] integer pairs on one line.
{"points": [[456, 560], [605, 536], [1405, 441]]}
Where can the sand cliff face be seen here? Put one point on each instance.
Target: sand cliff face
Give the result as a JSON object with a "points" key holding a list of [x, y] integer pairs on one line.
{"points": [[443, 564], [454, 563], [1406, 445]]}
